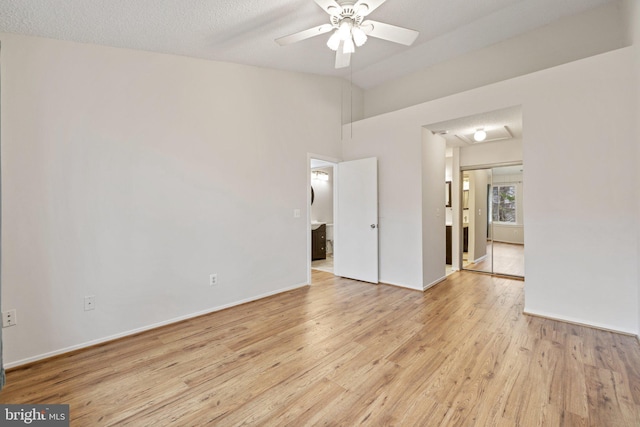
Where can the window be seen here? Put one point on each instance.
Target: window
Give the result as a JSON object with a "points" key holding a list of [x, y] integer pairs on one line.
{"points": [[503, 205]]}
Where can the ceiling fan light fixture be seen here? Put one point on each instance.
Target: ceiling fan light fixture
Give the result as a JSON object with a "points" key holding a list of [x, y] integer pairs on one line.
{"points": [[345, 29], [334, 41], [480, 135], [348, 46], [349, 28], [359, 36]]}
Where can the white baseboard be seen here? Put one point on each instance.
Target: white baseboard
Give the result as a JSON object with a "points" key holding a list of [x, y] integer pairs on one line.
{"points": [[511, 242], [480, 259], [399, 285], [415, 288], [91, 343], [442, 279], [580, 322]]}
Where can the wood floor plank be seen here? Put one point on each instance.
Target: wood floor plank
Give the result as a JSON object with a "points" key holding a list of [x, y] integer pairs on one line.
{"points": [[342, 352]]}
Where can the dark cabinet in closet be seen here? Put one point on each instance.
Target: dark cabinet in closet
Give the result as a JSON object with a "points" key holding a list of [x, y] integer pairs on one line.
{"points": [[319, 243]]}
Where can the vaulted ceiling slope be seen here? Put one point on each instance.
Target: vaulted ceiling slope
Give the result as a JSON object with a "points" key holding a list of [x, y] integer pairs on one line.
{"points": [[243, 31]]}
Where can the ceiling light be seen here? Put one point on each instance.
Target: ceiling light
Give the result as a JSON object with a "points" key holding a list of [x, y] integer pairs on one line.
{"points": [[334, 40], [348, 46], [480, 135], [346, 19], [359, 37], [320, 175], [345, 29]]}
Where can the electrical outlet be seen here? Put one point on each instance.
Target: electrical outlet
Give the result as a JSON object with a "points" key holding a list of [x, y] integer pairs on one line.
{"points": [[89, 302], [9, 318], [213, 279]]}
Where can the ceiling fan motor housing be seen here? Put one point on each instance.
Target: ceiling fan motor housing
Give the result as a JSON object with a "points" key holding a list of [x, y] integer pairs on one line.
{"points": [[347, 12]]}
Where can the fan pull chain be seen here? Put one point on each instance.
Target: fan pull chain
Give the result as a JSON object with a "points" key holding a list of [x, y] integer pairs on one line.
{"points": [[351, 97]]}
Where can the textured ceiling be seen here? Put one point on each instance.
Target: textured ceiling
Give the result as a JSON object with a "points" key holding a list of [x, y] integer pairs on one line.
{"points": [[243, 31], [509, 117]]}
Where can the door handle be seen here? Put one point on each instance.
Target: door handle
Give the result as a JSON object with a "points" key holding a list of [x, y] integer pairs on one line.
{"points": [[374, 225]]}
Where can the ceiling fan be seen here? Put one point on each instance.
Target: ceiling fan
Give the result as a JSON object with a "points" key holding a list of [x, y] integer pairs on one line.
{"points": [[350, 29]]}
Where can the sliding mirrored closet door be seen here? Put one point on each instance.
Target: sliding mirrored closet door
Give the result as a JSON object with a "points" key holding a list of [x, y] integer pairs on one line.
{"points": [[493, 220]]}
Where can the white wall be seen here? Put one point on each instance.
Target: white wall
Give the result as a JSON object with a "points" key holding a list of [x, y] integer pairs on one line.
{"points": [[581, 256], [322, 208], [433, 209], [478, 180], [568, 39], [132, 176], [568, 136], [456, 209], [448, 171], [399, 153], [507, 233], [633, 17], [491, 153], [352, 102], [448, 177]]}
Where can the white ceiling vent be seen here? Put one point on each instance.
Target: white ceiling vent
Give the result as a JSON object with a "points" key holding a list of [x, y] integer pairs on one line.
{"points": [[493, 134]]}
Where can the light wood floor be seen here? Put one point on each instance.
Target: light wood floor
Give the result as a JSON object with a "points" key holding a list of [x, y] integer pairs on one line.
{"points": [[508, 258], [342, 352], [323, 264]]}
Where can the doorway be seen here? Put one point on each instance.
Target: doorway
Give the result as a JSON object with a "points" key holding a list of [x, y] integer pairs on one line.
{"points": [[322, 214], [350, 250], [493, 220], [480, 142]]}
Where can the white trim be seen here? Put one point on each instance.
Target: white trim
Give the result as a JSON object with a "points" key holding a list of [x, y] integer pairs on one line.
{"points": [[480, 259], [510, 242], [147, 328], [580, 322], [490, 165], [399, 285], [432, 284]]}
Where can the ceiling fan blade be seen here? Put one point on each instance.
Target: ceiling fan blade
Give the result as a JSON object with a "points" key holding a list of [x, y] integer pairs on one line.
{"points": [[342, 59], [303, 35], [330, 6], [389, 32], [365, 7]]}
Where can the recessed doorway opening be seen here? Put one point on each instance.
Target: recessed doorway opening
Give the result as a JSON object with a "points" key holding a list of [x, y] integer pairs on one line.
{"points": [[322, 214], [477, 148]]}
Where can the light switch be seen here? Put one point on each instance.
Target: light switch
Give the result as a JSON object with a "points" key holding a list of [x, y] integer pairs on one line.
{"points": [[296, 213]]}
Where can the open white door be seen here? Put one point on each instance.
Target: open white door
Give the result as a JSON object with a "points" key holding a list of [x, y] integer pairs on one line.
{"points": [[356, 240]]}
